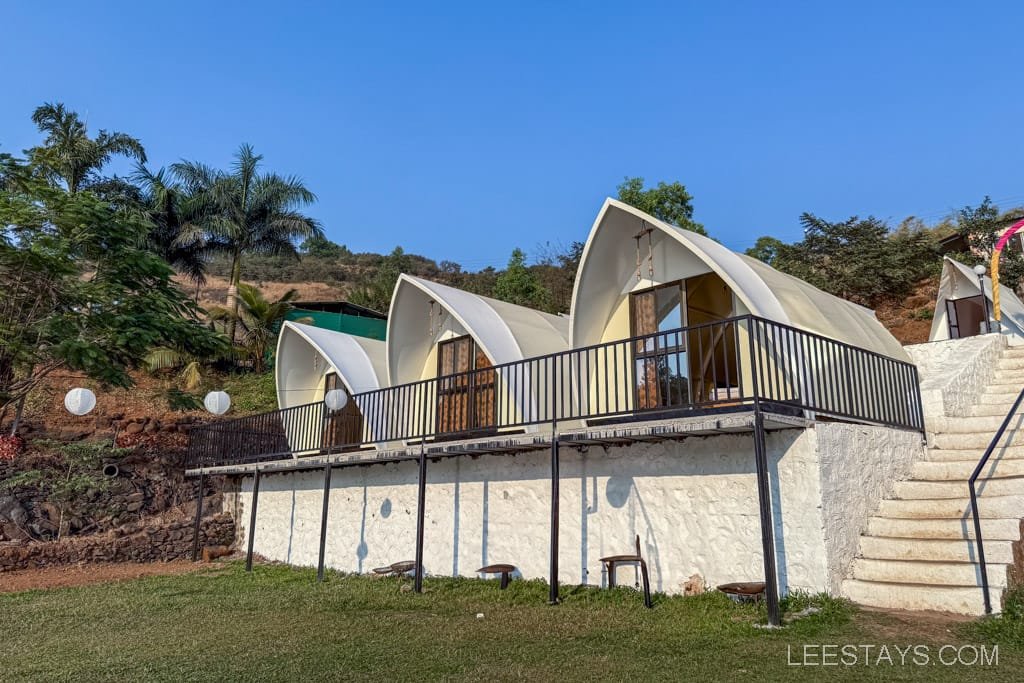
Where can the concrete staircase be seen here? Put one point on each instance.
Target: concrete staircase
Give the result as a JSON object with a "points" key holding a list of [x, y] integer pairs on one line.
{"points": [[918, 552]]}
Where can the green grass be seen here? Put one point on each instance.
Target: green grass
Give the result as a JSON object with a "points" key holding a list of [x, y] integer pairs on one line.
{"points": [[277, 624]]}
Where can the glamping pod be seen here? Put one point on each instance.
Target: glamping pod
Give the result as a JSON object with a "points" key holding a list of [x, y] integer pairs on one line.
{"points": [[436, 331], [694, 309], [960, 308], [312, 361]]}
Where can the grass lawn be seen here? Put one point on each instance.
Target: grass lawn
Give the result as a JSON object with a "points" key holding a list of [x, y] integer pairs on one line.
{"points": [[277, 624]]}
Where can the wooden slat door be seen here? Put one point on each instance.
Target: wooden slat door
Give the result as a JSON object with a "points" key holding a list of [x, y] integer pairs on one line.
{"points": [[342, 428], [467, 388]]}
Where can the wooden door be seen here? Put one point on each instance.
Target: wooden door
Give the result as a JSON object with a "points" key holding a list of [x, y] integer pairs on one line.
{"points": [[343, 429], [466, 388], [659, 359]]}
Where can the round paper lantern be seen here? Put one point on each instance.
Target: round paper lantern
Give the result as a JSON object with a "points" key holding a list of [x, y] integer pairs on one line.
{"points": [[336, 399], [217, 402], [79, 401]]}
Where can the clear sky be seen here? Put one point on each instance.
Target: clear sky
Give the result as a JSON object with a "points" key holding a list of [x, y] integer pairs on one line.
{"points": [[462, 130]]}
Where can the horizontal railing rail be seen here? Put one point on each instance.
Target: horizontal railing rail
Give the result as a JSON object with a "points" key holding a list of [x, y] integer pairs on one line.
{"points": [[723, 365]]}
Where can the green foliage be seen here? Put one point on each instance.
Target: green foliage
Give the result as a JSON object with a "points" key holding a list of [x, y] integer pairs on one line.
{"points": [[1006, 627], [982, 226], [80, 289], [319, 246], [376, 293], [856, 259], [669, 203], [69, 155], [251, 393], [259, 319], [518, 285], [181, 401]]}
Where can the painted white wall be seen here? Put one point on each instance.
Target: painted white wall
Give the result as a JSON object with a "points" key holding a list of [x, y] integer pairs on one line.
{"points": [[693, 503], [953, 372]]}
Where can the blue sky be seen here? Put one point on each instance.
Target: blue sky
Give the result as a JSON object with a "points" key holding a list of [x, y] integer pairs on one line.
{"points": [[462, 130]]}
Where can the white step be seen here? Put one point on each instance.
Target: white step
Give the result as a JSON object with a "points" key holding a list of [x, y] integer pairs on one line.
{"points": [[957, 599], [989, 507], [947, 529], [999, 394], [1007, 364], [992, 409], [881, 548], [978, 441], [961, 470], [974, 454], [956, 489], [931, 573], [986, 425]]}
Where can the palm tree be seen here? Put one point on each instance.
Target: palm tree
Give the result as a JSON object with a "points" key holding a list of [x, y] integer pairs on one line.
{"points": [[68, 154], [171, 210], [245, 212], [259, 319]]}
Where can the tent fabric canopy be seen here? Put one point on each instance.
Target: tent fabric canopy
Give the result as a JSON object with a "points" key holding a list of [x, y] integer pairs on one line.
{"points": [[960, 282], [762, 290], [358, 361], [505, 332]]}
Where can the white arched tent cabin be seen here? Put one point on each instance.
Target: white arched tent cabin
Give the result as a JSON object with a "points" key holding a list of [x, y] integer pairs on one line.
{"points": [[710, 328], [961, 308], [312, 361], [476, 346]]}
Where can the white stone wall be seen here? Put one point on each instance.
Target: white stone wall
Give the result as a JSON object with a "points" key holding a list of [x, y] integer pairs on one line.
{"points": [[954, 372], [859, 465], [693, 503]]}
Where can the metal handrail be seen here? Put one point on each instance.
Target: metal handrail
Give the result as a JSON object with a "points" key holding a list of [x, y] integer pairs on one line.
{"points": [[788, 368], [978, 540]]}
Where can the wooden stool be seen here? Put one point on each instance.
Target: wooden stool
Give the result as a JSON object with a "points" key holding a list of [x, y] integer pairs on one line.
{"points": [[613, 561], [504, 569]]}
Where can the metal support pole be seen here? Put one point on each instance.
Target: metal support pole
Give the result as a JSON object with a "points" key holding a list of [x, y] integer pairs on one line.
{"points": [[767, 523], [553, 579], [323, 522], [252, 520], [420, 516], [199, 517], [984, 301]]}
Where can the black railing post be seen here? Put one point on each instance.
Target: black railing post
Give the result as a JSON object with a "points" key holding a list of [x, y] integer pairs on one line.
{"points": [[421, 498], [323, 522], [252, 520], [553, 568], [764, 492], [199, 517]]}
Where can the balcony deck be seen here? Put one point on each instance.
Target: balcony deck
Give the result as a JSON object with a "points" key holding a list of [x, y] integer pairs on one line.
{"points": [[605, 435]]}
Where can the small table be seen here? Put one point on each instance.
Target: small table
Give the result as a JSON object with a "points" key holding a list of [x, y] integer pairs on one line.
{"points": [[396, 568], [504, 569]]}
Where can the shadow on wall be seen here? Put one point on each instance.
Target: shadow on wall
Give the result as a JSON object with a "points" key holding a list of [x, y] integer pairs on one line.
{"points": [[630, 510]]}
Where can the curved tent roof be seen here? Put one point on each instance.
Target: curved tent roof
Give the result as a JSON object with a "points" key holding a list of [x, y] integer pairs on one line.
{"points": [[359, 362], [605, 269], [959, 282], [505, 332]]}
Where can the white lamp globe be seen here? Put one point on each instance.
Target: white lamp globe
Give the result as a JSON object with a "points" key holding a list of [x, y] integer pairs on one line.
{"points": [[79, 401], [336, 399], [217, 402], [979, 270]]}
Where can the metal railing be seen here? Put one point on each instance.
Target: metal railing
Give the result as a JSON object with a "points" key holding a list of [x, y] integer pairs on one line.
{"points": [[972, 487], [709, 367]]}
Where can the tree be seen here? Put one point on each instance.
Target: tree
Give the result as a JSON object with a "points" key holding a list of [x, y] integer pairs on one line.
{"points": [[517, 285], [80, 290], [170, 211], [69, 155], [766, 249], [982, 226], [669, 203], [376, 293], [319, 246], [259, 319], [245, 212]]}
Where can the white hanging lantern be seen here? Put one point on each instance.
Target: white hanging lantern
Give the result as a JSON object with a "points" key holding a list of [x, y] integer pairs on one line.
{"points": [[217, 402], [80, 401], [336, 399]]}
